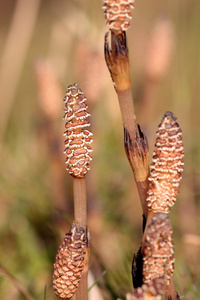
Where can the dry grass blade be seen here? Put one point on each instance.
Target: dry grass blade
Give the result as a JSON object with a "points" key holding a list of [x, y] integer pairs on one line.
{"points": [[14, 55], [18, 285]]}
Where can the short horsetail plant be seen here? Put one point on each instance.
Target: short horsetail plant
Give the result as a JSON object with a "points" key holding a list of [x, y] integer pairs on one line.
{"points": [[71, 266]]}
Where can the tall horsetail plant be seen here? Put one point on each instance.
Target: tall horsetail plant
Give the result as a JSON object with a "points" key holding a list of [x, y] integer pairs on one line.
{"points": [[158, 189], [118, 15], [71, 265]]}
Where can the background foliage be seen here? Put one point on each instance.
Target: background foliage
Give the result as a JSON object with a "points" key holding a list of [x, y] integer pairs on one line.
{"points": [[36, 204]]}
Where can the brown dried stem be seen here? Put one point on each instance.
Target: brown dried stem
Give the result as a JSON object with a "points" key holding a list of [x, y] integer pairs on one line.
{"points": [[138, 154], [135, 142]]}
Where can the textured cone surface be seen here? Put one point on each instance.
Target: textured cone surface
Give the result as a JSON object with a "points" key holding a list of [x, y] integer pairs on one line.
{"points": [[158, 253], [69, 263], [166, 167], [117, 14], [79, 138], [149, 291]]}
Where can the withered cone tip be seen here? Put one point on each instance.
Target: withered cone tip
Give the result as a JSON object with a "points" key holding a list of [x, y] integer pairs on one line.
{"points": [[117, 59]]}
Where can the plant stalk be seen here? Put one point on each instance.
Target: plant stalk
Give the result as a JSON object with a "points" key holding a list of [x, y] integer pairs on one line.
{"points": [[135, 142], [80, 203], [127, 111], [80, 216]]}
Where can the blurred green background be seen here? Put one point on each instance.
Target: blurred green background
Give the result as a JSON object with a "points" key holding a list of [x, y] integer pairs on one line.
{"points": [[45, 45]]}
